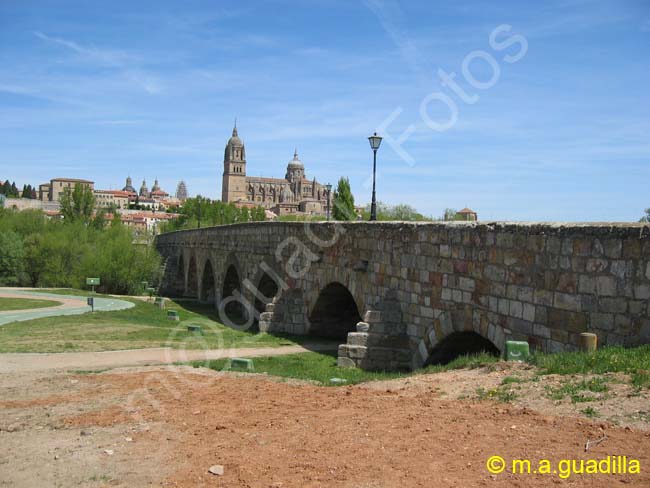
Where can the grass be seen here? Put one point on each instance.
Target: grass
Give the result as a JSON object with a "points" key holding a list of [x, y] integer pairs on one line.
{"points": [[310, 366], [7, 304], [577, 390], [590, 412], [321, 368], [498, 394], [139, 327], [614, 359]]}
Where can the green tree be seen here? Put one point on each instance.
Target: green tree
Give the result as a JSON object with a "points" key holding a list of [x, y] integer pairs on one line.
{"points": [[646, 217], [78, 204], [12, 255], [450, 214], [343, 204]]}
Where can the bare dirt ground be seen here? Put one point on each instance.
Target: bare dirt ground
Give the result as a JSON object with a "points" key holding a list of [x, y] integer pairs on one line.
{"points": [[166, 426], [22, 362]]}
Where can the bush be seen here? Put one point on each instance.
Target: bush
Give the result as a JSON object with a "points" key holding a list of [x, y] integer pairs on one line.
{"points": [[36, 251]]}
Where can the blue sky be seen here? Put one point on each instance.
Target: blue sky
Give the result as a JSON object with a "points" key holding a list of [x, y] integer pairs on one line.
{"points": [[151, 88]]}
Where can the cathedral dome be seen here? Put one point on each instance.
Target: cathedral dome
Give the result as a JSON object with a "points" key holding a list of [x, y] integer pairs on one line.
{"points": [[129, 185], [295, 162]]}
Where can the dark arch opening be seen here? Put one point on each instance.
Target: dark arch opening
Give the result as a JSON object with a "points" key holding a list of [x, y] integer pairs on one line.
{"points": [[207, 283], [335, 313], [234, 309], [461, 344], [192, 283], [179, 281], [266, 291]]}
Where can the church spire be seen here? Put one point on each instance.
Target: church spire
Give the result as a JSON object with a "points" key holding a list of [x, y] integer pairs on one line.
{"points": [[234, 129]]}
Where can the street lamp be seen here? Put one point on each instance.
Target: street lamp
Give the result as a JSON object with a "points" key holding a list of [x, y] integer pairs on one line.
{"points": [[375, 141], [329, 192]]}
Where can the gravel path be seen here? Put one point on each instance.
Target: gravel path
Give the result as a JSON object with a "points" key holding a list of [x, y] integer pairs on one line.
{"points": [[70, 305]]}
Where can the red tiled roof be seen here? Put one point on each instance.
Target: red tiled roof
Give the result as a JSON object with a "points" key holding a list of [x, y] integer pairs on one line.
{"points": [[466, 211]]}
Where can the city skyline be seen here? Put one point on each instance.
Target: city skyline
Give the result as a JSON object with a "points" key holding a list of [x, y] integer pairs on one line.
{"points": [[153, 89]]}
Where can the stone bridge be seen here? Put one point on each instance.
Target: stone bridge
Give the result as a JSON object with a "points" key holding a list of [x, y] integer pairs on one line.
{"points": [[399, 295]]}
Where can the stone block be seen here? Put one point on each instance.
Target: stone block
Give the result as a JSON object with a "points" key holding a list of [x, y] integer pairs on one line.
{"points": [[540, 330], [504, 306], [612, 305], [613, 248], [642, 292], [606, 286], [357, 338], [586, 284], [566, 301], [363, 327], [372, 316], [466, 284], [603, 321], [356, 352], [516, 309], [541, 315], [528, 312], [543, 297], [345, 362]]}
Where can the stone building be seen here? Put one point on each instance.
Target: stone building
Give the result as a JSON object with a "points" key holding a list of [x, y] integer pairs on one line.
{"points": [[111, 198], [293, 194], [467, 214], [52, 191], [181, 191]]}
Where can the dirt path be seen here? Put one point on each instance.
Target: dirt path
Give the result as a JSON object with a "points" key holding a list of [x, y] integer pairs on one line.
{"points": [[166, 426], [20, 362]]}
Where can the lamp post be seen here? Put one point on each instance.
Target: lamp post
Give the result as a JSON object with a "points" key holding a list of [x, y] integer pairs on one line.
{"points": [[375, 141], [329, 193]]}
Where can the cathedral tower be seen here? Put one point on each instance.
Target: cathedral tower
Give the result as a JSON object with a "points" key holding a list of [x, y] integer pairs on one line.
{"points": [[233, 186]]}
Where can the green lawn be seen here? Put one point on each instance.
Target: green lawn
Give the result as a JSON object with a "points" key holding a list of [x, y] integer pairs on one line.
{"points": [[141, 326], [321, 367], [24, 303]]}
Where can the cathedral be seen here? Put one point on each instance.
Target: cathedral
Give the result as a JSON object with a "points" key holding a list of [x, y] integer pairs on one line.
{"points": [[293, 194]]}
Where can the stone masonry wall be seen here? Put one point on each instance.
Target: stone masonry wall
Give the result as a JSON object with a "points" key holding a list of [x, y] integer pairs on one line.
{"points": [[416, 283]]}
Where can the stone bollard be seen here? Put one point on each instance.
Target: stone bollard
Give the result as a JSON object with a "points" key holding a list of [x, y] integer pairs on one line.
{"points": [[173, 315], [160, 303], [588, 342]]}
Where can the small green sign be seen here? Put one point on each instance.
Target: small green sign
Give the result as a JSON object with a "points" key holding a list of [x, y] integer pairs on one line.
{"points": [[517, 350], [92, 281]]}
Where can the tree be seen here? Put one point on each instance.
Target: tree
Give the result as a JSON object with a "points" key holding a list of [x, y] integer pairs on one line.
{"points": [[78, 204], [12, 254], [646, 217], [343, 205], [450, 214]]}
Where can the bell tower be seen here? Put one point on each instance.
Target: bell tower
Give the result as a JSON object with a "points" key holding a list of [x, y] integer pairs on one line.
{"points": [[233, 187]]}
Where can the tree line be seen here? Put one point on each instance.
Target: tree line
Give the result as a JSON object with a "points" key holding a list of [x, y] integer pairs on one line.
{"points": [[10, 190], [42, 252], [204, 212]]}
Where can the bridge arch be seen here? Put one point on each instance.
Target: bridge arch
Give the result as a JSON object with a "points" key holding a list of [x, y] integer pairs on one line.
{"points": [[450, 337], [335, 312], [460, 343], [208, 283], [232, 309], [266, 290]]}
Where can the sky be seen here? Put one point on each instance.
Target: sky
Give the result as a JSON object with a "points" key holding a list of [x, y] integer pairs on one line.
{"points": [[527, 111]]}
